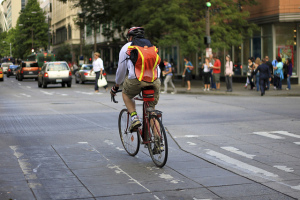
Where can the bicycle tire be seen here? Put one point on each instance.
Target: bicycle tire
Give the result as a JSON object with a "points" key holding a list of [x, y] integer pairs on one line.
{"points": [[130, 141], [161, 155]]}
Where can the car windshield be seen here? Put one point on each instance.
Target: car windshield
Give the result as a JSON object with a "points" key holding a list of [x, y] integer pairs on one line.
{"points": [[13, 66], [87, 67], [57, 67], [35, 64]]}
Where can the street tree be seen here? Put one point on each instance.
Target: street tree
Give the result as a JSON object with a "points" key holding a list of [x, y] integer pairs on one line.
{"points": [[182, 22], [31, 30]]}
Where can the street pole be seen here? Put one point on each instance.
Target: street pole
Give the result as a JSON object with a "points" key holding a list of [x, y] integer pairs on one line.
{"points": [[48, 49], [10, 49], [31, 38], [207, 27]]}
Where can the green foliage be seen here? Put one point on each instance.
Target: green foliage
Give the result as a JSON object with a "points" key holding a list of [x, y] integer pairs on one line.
{"points": [[172, 22], [63, 53], [31, 29]]}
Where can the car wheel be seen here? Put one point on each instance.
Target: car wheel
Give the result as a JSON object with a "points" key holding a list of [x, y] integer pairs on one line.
{"points": [[1, 79], [69, 84], [63, 85], [20, 78], [36, 79], [44, 84], [7, 75], [76, 80], [82, 82]]}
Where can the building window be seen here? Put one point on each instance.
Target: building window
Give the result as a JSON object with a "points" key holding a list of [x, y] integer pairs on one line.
{"points": [[257, 44], [61, 35], [286, 46], [69, 32], [88, 30], [267, 41]]}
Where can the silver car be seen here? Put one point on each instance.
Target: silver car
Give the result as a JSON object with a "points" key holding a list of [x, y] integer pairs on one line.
{"points": [[84, 74], [5, 66]]}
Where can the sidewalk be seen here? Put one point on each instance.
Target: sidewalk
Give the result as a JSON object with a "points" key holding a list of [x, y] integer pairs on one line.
{"points": [[238, 89]]}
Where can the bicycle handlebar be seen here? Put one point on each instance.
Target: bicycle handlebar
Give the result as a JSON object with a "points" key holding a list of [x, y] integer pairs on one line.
{"points": [[113, 97]]}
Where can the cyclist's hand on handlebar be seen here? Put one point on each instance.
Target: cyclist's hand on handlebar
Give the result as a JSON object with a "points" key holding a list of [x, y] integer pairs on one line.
{"points": [[114, 90]]}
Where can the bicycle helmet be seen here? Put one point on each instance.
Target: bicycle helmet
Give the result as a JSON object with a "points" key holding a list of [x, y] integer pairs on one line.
{"points": [[135, 32]]}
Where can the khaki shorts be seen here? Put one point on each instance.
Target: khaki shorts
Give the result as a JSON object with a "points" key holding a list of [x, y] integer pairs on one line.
{"points": [[216, 77], [132, 87]]}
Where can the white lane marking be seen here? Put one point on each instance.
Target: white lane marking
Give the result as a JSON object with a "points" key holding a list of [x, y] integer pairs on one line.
{"points": [[25, 167], [28, 87], [191, 136], [239, 164], [237, 151], [298, 143], [88, 93], [296, 187], [120, 149], [108, 142], [191, 143], [26, 95], [168, 177], [267, 134], [47, 93], [19, 83], [118, 170], [286, 133], [283, 168], [35, 169], [82, 142]]}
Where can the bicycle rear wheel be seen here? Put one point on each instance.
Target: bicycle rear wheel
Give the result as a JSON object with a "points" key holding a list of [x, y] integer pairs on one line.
{"points": [[130, 141], [158, 144]]}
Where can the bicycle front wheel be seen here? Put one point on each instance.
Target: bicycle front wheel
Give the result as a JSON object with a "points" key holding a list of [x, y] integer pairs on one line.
{"points": [[158, 144], [130, 141]]}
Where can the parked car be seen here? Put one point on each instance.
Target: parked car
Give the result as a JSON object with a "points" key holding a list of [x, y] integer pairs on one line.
{"points": [[18, 71], [11, 71], [84, 74], [55, 73], [29, 69], [5, 66], [1, 74]]}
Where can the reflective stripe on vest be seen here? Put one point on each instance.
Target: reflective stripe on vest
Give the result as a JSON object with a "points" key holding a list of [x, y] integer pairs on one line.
{"points": [[141, 65]]}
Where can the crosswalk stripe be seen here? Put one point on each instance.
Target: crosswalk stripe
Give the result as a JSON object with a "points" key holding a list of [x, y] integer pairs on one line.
{"points": [[239, 164], [286, 133], [267, 134], [237, 151]]}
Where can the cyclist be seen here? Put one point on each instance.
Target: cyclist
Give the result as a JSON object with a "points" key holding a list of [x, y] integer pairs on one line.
{"points": [[133, 84]]}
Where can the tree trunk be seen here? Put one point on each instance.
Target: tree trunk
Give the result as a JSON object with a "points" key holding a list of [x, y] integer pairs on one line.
{"points": [[95, 39]]}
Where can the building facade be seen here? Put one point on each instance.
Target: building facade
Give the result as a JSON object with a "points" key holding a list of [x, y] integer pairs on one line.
{"points": [[278, 35], [63, 27], [10, 11]]}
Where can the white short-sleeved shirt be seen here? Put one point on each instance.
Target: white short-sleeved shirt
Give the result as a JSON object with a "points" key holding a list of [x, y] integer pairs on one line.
{"points": [[126, 64], [98, 65]]}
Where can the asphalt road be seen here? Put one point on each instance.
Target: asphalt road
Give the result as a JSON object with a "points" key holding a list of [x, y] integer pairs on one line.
{"points": [[63, 143]]}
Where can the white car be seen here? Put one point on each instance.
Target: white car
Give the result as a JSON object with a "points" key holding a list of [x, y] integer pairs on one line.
{"points": [[57, 72], [5, 66]]}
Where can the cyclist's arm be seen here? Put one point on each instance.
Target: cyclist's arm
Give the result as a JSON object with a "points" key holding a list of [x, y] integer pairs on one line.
{"points": [[122, 66]]}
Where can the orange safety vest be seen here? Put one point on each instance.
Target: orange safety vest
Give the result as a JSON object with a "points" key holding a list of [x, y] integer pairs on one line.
{"points": [[146, 65]]}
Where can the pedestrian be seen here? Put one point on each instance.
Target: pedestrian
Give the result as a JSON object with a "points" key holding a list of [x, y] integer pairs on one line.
{"points": [[264, 76], [188, 72], [98, 69], [212, 81], [167, 73], [256, 64], [228, 73], [217, 71], [206, 73], [75, 67], [278, 74], [289, 73], [271, 71], [249, 73]]}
